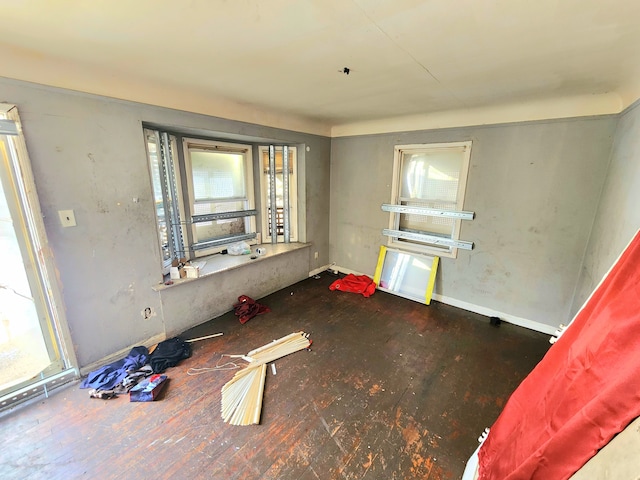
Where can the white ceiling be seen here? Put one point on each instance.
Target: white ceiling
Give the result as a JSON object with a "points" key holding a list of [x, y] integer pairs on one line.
{"points": [[280, 62]]}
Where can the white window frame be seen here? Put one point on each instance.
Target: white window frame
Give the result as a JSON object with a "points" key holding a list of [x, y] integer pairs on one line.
{"points": [[249, 199], [22, 198], [394, 218], [263, 152]]}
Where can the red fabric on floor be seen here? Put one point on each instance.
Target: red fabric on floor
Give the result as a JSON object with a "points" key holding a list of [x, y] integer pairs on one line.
{"points": [[583, 392], [355, 284], [247, 308]]}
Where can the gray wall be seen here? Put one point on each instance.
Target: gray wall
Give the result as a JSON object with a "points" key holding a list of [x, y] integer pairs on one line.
{"points": [[534, 187], [213, 296], [87, 154], [618, 216]]}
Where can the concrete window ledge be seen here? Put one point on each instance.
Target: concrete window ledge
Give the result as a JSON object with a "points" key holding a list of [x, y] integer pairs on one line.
{"points": [[223, 263]]}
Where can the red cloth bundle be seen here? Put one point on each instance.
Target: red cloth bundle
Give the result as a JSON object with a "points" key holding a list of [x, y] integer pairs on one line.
{"points": [[247, 308], [355, 284]]}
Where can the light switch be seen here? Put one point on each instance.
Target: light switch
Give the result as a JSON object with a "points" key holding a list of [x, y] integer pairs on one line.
{"points": [[67, 218]]}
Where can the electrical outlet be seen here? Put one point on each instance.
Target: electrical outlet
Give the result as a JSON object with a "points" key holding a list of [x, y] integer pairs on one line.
{"points": [[67, 218], [147, 313], [315, 255]]}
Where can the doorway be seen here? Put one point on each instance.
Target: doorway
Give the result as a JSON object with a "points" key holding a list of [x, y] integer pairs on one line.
{"points": [[32, 329]]}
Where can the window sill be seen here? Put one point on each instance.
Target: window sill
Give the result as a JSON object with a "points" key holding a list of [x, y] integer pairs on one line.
{"points": [[219, 263]]}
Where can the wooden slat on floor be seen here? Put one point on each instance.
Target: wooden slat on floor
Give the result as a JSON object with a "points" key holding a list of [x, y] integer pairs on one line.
{"points": [[391, 389]]}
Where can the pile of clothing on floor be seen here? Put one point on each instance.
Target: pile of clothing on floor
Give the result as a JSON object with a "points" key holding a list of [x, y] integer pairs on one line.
{"points": [[120, 377]]}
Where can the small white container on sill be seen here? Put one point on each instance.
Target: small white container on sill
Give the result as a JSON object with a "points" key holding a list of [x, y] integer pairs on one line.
{"points": [[174, 273], [192, 272]]}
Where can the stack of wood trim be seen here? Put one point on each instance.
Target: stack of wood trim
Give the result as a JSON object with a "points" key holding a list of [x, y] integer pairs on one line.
{"points": [[242, 395]]}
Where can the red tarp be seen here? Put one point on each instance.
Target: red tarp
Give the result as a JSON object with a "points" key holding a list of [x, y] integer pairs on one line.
{"points": [[355, 284], [583, 392]]}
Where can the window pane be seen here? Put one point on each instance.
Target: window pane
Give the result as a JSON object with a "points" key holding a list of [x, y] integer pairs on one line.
{"points": [[423, 223], [430, 180], [279, 221], [218, 228], [429, 177], [279, 191], [217, 175], [279, 175], [279, 187], [432, 177], [210, 230]]}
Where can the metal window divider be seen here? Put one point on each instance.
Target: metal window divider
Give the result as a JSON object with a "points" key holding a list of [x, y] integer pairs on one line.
{"points": [[272, 194], [170, 194], [216, 242], [285, 193], [431, 212], [209, 217]]}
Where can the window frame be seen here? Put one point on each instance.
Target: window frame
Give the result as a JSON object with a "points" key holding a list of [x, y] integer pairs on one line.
{"points": [[180, 238], [394, 217], [249, 199], [263, 165]]}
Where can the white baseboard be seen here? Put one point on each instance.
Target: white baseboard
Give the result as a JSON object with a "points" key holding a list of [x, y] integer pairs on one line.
{"points": [[521, 322], [489, 312], [347, 271], [319, 270], [334, 267], [114, 357]]}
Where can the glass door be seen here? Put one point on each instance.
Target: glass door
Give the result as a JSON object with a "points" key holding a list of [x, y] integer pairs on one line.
{"points": [[31, 353]]}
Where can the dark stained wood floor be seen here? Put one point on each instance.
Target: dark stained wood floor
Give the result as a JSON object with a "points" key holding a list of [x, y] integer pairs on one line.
{"points": [[391, 389]]}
